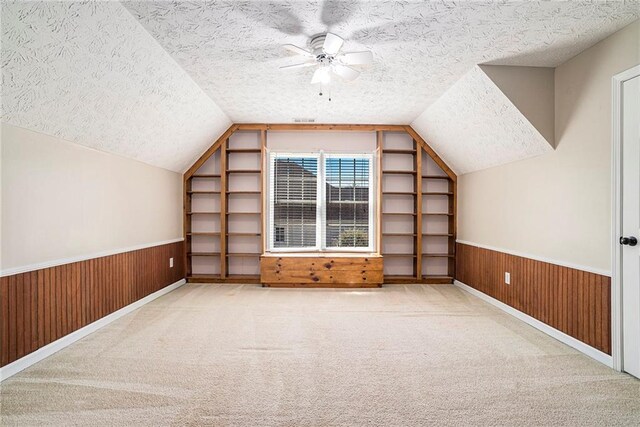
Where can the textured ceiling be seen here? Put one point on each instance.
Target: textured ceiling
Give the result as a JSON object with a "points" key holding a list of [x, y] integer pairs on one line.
{"points": [[486, 130], [89, 73], [232, 49]]}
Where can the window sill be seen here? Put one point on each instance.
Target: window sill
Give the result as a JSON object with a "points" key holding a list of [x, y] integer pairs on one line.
{"points": [[322, 254]]}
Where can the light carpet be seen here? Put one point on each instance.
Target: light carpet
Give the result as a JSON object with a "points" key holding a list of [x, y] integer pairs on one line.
{"points": [[241, 355]]}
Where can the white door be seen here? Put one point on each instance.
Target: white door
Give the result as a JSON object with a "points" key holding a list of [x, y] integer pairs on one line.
{"points": [[631, 226]]}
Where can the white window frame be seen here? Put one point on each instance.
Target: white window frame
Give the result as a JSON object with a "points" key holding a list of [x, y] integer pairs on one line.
{"points": [[321, 201], [273, 155], [372, 205]]}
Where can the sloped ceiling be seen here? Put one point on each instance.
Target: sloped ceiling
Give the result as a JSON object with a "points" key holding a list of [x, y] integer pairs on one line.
{"points": [[89, 73], [475, 126], [160, 80], [531, 90]]}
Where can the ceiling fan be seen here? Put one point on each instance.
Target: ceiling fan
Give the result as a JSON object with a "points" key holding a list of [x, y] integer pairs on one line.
{"points": [[325, 54]]}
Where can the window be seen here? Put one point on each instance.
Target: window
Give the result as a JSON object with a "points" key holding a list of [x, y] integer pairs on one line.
{"points": [[320, 202], [346, 202], [293, 200]]}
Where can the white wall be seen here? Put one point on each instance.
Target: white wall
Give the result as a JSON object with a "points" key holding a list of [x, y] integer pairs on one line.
{"points": [[558, 205], [63, 200], [352, 142]]}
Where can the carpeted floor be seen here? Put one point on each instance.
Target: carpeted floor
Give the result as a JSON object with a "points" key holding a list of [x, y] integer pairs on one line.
{"points": [[247, 356]]}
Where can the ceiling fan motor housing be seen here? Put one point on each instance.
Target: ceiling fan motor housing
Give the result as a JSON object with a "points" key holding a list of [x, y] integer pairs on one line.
{"points": [[316, 44]]}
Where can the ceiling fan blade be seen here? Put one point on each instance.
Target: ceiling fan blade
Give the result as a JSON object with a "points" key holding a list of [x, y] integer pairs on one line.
{"points": [[356, 58], [335, 12], [321, 75], [300, 65], [332, 44], [273, 16], [297, 50], [345, 72], [393, 31]]}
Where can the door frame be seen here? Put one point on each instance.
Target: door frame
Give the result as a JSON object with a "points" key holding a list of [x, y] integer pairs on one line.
{"points": [[616, 217]]}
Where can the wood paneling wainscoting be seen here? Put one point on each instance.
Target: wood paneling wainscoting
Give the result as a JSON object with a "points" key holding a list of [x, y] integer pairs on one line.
{"points": [[41, 306], [573, 301]]}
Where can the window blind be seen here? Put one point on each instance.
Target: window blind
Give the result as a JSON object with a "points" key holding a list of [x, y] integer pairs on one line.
{"points": [[294, 201], [347, 181], [320, 201]]}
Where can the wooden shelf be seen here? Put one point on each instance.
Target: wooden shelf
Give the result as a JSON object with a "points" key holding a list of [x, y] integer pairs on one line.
{"points": [[244, 234], [244, 192], [399, 213], [438, 234], [398, 151], [243, 213], [399, 234], [243, 278], [207, 175], [437, 213], [203, 213], [436, 177], [217, 278], [426, 279], [244, 150], [243, 254], [203, 254], [244, 171], [434, 279], [204, 233], [202, 192], [438, 193], [399, 255], [398, 279], [203, 278], [399, 193], [399, 172], [438, 255]]}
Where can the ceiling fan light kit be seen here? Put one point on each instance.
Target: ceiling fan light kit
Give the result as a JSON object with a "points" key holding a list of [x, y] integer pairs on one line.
{"points": [[325, 54]]}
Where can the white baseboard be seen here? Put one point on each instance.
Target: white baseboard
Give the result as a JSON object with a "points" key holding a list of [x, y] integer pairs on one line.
{"points": [[554, 333], [49, 349]]}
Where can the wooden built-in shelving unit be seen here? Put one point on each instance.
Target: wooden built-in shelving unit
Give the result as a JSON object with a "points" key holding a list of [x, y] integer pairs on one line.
{"points": [[224, 206], [224, 182], [439, 202], [419, 241]]}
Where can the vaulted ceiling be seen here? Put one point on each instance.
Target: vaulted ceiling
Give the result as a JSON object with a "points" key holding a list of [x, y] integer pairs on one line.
{"points": [[474, 125], [158, 81]]}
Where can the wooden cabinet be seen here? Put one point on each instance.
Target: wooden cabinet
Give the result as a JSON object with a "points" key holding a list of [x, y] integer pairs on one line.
{"points": [[321, 271]]}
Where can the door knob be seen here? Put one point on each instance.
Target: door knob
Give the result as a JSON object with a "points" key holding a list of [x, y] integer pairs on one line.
{"points": [[631, 241]]}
